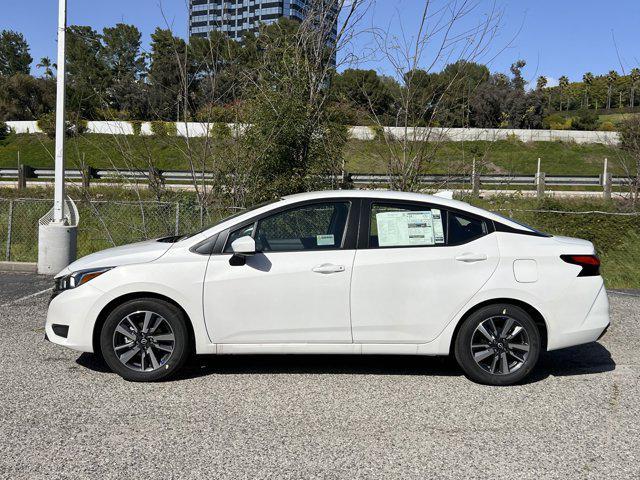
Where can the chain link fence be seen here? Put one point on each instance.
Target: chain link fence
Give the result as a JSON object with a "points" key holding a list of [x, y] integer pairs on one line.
{"points": [[103, 224]]}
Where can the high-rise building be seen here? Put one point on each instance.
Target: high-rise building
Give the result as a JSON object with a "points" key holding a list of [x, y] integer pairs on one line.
{"points": [[235, 17]]}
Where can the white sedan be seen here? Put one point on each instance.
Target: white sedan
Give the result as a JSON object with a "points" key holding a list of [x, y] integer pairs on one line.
{"points": [[344, 272]]}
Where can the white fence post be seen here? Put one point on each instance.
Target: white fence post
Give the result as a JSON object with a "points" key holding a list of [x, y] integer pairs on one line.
{"points": [[606, 181]]}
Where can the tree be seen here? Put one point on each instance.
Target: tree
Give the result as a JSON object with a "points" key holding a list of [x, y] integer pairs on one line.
{"points": [[442, 35], [630, 143], [293, 139], [635, 81], [122, 57], [587, 80], [612, 80], [167, 75], [23, 97], [457, 83], [14, 53], [541, 83], [47, 65], [364, 90], [563, 83], [516, 70], [87, 73]]}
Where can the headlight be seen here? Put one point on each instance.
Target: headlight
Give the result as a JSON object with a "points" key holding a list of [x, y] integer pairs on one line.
{"points": [[75, 279]]}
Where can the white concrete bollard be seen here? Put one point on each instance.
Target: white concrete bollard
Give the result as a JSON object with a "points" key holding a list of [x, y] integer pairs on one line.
{"points": [[56, 247]]}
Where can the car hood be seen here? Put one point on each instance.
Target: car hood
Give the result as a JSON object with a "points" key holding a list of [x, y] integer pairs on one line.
{"points": [[142, 252]]}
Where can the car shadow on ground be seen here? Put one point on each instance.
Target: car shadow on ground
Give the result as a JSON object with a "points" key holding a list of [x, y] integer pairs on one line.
{"points": [[581, 360]]}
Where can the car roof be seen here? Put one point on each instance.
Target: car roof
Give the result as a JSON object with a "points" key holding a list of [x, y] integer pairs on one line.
{"points": [[381, 194]]}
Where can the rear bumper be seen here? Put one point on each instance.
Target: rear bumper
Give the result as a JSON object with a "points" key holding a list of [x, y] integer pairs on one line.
{"points": [[591, 329]]}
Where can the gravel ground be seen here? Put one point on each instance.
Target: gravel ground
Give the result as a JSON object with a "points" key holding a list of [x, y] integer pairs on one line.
{"points": [[62, 415]]}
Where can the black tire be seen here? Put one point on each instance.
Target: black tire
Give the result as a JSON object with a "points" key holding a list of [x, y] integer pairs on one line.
{"points": [[164, 363], [489, 369]]}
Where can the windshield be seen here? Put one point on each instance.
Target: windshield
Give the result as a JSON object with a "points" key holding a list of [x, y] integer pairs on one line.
{"points": [[230, 217]]}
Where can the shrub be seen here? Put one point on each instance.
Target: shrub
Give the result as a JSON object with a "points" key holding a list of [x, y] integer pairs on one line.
{"points": [[557, 122], [4, 130], [47, 123], [220, 114], [630, 135], [586, 120], [514, 139], [607, 127], [378, 132], [164, 129], [137, 127]]}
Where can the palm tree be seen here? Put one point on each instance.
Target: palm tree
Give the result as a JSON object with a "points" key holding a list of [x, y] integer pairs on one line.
{"points": [[542, 82], [45, 62], [635, 80], [587, 79], [563, 82], [612, 79]]}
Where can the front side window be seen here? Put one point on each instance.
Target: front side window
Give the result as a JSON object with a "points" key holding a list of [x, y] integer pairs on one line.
{"points": [[406, 226], [310, 227]]}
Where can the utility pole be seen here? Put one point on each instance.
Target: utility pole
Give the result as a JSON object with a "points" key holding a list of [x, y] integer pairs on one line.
{"points": [[58, 199], [57, 233]]}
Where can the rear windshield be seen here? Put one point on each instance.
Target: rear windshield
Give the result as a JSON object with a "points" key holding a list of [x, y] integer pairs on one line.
{"points": [[528, 227]]}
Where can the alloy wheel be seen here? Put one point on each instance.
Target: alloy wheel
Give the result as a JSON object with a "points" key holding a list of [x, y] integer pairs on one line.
{"points": [[500, 345], [143, 341]]}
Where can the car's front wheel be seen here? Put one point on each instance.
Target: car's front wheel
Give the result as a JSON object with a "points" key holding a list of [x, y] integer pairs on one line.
{"points": [[145, 340], [498, 345]]}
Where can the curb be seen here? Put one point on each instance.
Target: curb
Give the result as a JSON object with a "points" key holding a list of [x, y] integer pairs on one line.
{"points": [[24, 267]]}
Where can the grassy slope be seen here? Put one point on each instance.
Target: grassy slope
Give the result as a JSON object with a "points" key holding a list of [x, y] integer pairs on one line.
{"points": [[102, 151]]}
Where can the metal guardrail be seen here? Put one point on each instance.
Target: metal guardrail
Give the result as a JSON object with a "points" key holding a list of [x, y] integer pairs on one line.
{"points": [[356, 179]]}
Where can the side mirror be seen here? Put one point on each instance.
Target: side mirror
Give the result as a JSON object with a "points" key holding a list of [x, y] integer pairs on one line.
{"points": [[244, 247]]}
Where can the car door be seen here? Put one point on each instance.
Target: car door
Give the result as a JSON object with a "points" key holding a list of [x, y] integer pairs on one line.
{"points": [[418, 265], [296, 288]]}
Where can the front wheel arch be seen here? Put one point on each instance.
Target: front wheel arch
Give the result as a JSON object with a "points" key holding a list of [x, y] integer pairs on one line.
{"points": [[115, 303], [532, 311]]}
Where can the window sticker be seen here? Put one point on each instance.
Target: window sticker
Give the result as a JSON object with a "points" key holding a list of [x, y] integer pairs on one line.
{"points": [[438, 229], [396, 229], [325, 240]]}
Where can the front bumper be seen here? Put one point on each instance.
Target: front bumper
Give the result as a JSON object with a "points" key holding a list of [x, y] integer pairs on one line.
{"points": [[75, 309]]}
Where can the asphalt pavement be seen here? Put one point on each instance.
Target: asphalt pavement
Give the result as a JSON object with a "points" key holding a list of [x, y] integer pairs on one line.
{"points": [[63, 415]]}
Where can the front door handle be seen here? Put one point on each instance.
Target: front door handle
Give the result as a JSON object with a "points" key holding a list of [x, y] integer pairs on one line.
{"points": [[471, 257], [329, 268]]}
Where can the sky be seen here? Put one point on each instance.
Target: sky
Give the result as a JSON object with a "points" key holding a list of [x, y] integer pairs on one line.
{"points": [[555, 37]]}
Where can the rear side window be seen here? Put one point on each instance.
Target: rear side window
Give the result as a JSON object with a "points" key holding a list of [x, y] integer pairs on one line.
{"points": [[465, 229], [406, 226]]}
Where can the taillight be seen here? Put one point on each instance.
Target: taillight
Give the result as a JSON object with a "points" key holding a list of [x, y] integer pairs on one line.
{"points": [[590, 264]]}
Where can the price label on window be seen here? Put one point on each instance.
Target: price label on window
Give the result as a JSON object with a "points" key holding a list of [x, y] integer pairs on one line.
{"points": [[396, 229]]}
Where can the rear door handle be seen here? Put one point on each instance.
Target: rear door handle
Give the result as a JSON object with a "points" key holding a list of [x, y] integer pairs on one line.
{"points": [[471, 257], [329, 268]]}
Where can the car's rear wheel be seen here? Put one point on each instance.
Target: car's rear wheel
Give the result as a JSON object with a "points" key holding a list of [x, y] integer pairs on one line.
{"points": [[498, 345], [145, 340]]}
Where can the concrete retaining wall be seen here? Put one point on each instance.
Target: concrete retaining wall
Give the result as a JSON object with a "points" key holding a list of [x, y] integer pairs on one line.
{"points": [[193, 129]]}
